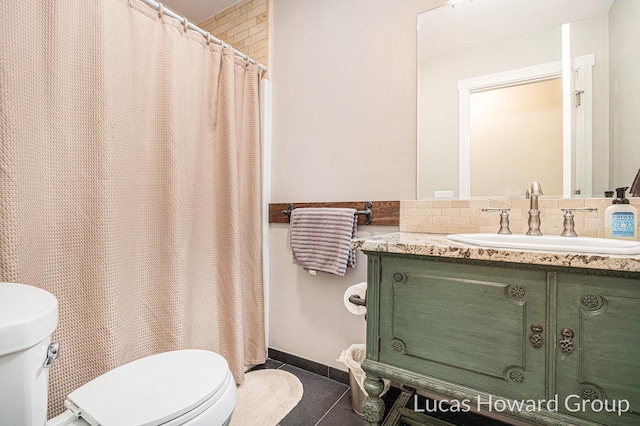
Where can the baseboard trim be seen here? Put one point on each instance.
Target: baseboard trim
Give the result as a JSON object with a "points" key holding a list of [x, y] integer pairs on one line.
{"points": [[308, 365]]}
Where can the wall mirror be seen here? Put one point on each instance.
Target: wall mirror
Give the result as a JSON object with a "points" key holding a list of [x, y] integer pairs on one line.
{"points": [[486, 127]]}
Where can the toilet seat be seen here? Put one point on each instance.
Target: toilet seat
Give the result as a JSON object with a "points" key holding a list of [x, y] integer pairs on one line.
{"points": [[166, 388]]}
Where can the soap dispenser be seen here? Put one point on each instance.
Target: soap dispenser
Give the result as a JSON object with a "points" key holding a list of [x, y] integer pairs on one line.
{"points": [[621, 218]]}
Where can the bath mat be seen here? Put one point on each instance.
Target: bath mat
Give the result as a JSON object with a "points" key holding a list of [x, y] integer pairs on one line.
{"points": [[266, 397]]}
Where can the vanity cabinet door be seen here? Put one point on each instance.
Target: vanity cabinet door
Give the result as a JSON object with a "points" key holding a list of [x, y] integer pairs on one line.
{"points": [[598, 347], [466, 324]]}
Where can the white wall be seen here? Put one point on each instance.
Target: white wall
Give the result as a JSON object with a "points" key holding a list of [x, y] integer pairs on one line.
{"points": [[344, 129], [439, 78], [624, 87]]}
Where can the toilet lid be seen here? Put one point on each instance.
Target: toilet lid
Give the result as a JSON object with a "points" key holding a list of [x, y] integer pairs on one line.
{"points": [[152, 390]]}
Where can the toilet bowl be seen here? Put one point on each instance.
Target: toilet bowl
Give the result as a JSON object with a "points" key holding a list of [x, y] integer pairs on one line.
{"points": [[185, 387]]}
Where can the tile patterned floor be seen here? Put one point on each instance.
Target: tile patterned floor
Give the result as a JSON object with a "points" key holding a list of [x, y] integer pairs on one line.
{"points": [[325, 402]]}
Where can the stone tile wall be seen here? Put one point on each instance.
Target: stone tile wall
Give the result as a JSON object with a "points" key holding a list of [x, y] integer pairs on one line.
{"points": [[466, 216], [245, 26]]}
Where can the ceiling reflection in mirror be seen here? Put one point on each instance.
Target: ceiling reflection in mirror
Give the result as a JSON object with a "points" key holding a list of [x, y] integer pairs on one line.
{"points": [[481, 40]]}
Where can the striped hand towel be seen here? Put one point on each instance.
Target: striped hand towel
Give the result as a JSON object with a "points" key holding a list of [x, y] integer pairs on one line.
{"points": [[320, 238]]}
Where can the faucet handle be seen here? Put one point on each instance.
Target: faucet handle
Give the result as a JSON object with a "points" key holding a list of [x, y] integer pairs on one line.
{"points": [[504, 219], [569, 224]]}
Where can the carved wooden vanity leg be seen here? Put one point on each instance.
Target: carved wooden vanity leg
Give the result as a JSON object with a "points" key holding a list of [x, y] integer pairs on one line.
{"points": [[373, 406]]}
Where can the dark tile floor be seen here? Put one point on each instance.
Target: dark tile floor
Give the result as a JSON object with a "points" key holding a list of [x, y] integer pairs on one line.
{"points": [[325, 402]]}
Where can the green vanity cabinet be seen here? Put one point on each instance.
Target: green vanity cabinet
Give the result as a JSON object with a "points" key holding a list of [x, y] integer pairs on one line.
{"points": [[598, 350], [481, 332], [468, 324]]}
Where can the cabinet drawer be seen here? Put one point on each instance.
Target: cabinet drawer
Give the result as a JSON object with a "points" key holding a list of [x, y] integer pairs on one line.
{"points": [[466, 324]]}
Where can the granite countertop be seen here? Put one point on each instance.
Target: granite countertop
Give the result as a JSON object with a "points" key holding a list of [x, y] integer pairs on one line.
{"points": [[438, 245]]}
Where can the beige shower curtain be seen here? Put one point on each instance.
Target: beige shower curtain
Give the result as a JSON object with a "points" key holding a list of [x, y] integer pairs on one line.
{"points": [[129, 184]]}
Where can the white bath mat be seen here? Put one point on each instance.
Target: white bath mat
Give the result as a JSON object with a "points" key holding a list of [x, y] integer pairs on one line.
{"points": [[266, 397]]}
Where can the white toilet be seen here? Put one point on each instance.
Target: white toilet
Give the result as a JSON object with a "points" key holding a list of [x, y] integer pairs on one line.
{"points": [[185, 387]]}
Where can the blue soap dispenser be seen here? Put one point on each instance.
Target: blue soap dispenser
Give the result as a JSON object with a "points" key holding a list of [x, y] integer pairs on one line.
{"points": [[621, 218]]}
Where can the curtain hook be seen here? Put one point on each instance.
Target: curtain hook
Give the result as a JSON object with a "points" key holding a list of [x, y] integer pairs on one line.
{"points": [[185, 24], [208, 39], [160, 10]]}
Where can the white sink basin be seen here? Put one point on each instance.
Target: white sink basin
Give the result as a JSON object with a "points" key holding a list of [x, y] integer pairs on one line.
{"points": [[550, 243]]}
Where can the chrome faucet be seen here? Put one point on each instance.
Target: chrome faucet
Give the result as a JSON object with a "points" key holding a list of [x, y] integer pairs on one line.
{"points": [[534, 213], [504, 219], [569, 224]]}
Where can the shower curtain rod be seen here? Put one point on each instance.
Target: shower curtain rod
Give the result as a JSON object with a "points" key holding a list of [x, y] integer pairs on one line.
{"points": [[166, 11]]}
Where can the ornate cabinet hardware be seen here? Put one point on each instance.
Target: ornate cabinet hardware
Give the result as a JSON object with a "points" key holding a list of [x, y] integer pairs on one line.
{"points": [[566, 343], [536, 338], [399, 277], [590, 393]]}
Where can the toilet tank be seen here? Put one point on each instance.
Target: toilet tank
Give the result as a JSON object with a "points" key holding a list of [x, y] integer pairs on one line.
{"points": [[28, 316]]}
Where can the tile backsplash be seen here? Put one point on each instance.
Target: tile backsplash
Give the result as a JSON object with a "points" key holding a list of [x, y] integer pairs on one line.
{"points": [[466, 216]]}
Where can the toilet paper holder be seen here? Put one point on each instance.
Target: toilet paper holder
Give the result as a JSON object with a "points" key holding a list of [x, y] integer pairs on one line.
{"points": [[355, 299]]}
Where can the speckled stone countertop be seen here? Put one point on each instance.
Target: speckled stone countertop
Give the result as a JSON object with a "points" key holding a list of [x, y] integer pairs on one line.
{"points": [[438, 245]]}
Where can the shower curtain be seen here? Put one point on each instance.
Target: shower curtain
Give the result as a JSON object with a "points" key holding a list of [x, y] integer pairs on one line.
{"points": [[130, 184]]}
